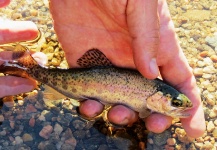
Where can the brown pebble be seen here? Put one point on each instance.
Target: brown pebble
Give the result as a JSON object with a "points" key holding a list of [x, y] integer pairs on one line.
{"points": [[198, 145], [32, 122], [171, 141], [167, 147], [203, 54], [141, 145], [16, 16], [30, 109], [214, 133], [46, 131], [19, 98], [198, 72], [207, 138], [8, 101], [214, 58], [1, 118], [71, 141], [33, 12], [27, 137]]}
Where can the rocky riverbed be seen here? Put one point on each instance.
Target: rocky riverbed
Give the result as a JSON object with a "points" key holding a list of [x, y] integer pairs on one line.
{"points": [[34, 122]]}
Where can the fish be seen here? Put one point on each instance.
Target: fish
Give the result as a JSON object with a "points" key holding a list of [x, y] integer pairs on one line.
{"points": [[98, 79]]}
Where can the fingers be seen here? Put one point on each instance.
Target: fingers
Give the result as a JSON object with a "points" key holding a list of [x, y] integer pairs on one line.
{"points": [[4, 3], [91, 108], [15, 31], [15, 85], [122, 115], [195, 124], [175, 70], [157, 123], [143, 24], [118, 114]]}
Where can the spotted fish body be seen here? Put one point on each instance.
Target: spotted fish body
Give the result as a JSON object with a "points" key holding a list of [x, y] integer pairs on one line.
{"points": [[109, 85]]}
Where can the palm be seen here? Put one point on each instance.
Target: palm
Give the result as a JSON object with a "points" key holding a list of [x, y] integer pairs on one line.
{"points": [[97, 25], [90, 26]]}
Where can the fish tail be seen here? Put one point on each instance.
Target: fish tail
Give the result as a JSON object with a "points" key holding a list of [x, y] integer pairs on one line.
{"points": [[13, 70], [21, 56]]}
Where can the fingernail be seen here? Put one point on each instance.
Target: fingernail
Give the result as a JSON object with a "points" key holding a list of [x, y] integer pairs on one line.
{"points": [[154, 67]]}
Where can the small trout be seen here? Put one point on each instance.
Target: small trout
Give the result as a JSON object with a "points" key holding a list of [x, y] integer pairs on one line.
{"points": [[109, 85]]}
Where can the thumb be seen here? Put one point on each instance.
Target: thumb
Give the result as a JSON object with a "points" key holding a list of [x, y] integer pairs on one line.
{"points": [[143, 24]]}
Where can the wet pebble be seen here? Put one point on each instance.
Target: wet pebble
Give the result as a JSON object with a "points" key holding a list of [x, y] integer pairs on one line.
{"points": [[32, 122], [30, 109], [58, 129], [67, 147], [161, 138], [71, 141], [171, 141], [46, 131], [27, 137], [3, 133], [79, 134], [78, 124], [182, 136], [1, 118], [18, 140], [46, 145]]}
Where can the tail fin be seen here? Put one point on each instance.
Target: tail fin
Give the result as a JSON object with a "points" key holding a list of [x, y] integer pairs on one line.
{"points": [[22, 55]]}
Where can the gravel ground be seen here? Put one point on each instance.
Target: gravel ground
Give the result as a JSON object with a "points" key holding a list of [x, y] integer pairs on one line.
{"points": [[34, 122]]}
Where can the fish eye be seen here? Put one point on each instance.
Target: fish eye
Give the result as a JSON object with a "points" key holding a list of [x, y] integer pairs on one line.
{"points": [[177, 102]]}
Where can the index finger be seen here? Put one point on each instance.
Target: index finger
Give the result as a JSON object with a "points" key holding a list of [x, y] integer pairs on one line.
{"points": [[178, 73], [15, 31], [4, 3]]}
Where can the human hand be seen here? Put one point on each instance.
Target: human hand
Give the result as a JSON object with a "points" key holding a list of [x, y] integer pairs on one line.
{"points": [[127, 32], [14, 31]]}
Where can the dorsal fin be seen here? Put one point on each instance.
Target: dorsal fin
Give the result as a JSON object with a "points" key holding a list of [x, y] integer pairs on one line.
{"points": [[93, 58]]}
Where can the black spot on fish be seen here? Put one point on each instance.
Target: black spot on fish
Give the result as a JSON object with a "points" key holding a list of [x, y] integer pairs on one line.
{"points": [[64, 86], [74, 90]]}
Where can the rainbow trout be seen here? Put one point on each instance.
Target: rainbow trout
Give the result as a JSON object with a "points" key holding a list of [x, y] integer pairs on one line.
{"points": [[109, 85]]}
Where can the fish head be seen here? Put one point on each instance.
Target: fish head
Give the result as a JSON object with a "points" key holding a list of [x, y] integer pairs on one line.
{"points": [[173, 105]]}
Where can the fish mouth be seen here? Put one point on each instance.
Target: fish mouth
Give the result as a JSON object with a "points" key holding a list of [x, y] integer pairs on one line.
{"points": [[179, 113]]}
